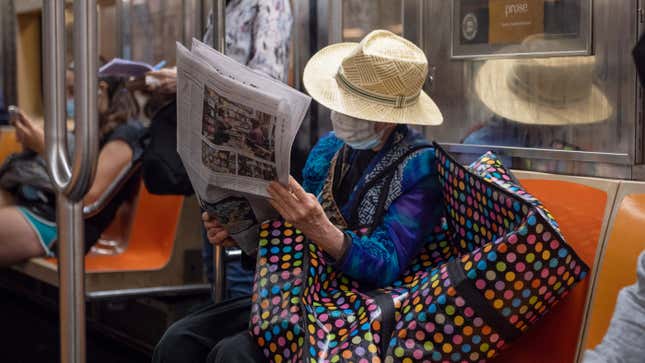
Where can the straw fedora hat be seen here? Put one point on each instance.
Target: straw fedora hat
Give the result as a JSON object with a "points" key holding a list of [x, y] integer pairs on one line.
{"points": [[379, 79], [548, 91]]}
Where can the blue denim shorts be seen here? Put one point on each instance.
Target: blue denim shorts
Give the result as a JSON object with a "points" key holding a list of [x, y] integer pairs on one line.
{"points": [[46, 231]]}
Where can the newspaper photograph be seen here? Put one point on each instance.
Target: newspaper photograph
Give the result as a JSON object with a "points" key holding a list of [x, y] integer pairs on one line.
{"points": [[233, 125], [235, 130]]}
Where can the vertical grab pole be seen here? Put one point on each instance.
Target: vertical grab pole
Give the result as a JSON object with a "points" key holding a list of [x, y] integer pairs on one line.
{"points": [[335, 22], [219, 40], [71, 181]]}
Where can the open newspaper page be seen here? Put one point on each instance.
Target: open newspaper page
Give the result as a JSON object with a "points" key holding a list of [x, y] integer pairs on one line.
{"points": [[234, 135]]}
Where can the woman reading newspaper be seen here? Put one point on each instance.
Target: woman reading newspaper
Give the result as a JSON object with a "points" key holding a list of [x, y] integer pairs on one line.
{"points": [[373, 174]]}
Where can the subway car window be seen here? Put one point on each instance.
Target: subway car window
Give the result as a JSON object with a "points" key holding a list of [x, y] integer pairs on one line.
{"points": [[556, 82], [150, 28], [361, 17]]}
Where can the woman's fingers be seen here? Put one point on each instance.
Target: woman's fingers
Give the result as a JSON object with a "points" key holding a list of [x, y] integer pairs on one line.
{"points": [[217, 235], [210, 222], [24, 121], [297, 190], [221, 236], [282, 195], [208, 218], [21, 132], [280, 207]]}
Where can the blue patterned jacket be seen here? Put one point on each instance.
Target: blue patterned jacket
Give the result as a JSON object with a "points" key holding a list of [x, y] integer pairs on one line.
{"points": [[412, 205]]}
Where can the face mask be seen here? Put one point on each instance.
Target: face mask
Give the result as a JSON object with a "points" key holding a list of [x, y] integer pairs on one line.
{"points": [[70, 108], [358, 134]]}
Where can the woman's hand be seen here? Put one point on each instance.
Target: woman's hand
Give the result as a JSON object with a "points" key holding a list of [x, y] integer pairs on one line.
{"points": [[163, 81], [216, 233], [303, 210], [28, 134]]}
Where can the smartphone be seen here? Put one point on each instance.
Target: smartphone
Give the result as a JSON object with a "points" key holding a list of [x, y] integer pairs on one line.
{"points": [[13, 115]]}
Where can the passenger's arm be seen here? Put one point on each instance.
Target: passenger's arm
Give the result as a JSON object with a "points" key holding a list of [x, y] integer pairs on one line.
{"points": [[271, 37], [113, 158], [302, 209], [381, 257], [30, 135]]}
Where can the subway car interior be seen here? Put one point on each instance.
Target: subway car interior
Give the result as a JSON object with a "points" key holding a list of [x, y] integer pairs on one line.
{"points": [[481, 197]]}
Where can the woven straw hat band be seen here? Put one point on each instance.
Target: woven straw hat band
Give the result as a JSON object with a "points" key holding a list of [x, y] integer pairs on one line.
{"points": [[396, 102]]}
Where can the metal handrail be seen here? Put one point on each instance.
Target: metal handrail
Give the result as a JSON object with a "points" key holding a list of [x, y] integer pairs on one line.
{"points": [[72, 181], [335, 22], [126, 174]]}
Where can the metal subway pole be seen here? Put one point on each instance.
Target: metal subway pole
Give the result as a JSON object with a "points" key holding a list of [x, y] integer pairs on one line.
{"points": [[335, 22], [71, 180], [219, 40]]}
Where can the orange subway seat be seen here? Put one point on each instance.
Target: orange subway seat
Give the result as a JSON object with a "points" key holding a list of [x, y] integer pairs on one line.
{"points": [[625, 241], [8, 142], [151, 239]]}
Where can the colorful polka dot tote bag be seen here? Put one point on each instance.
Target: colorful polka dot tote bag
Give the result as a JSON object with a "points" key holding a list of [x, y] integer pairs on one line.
{"points": [[495, 267]]}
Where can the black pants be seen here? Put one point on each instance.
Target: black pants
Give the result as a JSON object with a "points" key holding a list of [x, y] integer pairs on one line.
{"points": [[240, 348], [216, 333]]}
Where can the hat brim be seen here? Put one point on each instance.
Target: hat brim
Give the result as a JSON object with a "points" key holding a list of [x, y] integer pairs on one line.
{"points": [[319, 80], [493, 90]]}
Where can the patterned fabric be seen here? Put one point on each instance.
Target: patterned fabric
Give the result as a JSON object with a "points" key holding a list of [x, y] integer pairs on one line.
{"points": [[494, 267], [327, 201], [258, 34], [385, 205]]}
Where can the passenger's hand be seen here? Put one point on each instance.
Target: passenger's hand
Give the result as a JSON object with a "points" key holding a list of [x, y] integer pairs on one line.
{"points": [[163, 81], [216, 233], [28, 134], [303, 210]]}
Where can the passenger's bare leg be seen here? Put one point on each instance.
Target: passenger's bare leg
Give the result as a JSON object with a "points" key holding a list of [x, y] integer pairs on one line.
{"points": [[18, 240], [6, 199]]}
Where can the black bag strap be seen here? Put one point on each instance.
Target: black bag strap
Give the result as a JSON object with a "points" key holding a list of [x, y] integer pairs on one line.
{"points": [[473, 297], [386, 304]]}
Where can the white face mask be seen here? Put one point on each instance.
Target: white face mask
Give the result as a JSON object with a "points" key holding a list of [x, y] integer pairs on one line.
{"points": [[357, 133]]}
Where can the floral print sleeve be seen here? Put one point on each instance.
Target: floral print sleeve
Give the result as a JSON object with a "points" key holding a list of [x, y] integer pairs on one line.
{"points": [[258, 34], [272, 36]]}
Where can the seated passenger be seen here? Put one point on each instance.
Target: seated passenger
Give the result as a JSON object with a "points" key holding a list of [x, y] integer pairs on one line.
{"points": [[27, 209], [625, 338], [370, 196]]}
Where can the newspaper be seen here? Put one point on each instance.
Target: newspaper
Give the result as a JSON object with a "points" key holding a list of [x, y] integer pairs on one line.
{"points": [[235, 130]]}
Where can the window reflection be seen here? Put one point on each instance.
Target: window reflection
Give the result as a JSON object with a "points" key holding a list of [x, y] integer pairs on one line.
{"points": [[537, 102], [361, 17], [568, 102], [152, 29]]}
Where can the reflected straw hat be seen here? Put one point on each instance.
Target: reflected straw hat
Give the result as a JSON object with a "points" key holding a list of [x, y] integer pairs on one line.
{"points": [[379, 79], [545, 91]]}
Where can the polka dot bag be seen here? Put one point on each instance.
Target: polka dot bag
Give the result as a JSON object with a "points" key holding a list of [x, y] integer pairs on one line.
{"points": [[495, 266]]}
